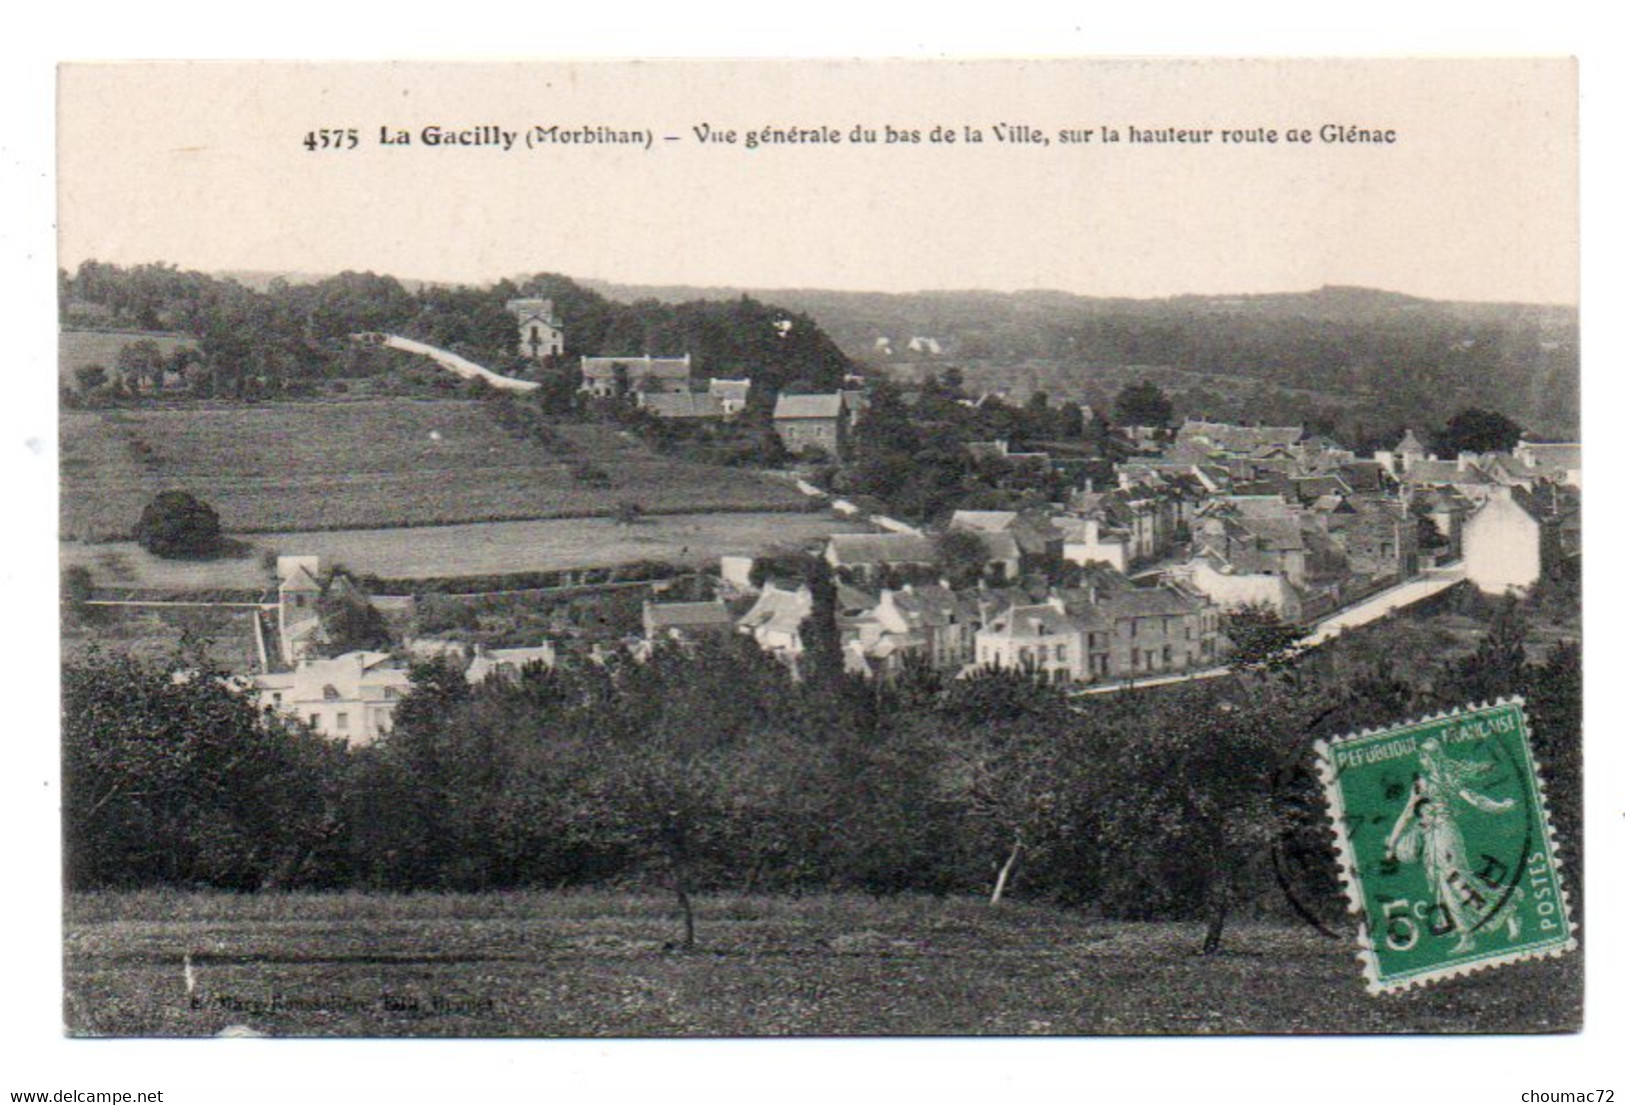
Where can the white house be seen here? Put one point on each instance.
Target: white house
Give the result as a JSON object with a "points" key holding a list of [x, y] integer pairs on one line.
{"points": [[539, 333], [350, 697], [1089, 542], [1040, 638], [732, 395], [1501, 544], [775, 620]]}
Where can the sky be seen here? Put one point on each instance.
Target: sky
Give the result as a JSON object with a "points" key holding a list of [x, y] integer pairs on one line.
{"points": [[203, 165]]}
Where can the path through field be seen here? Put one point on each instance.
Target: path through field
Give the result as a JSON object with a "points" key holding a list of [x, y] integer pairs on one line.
{"points": [[597, 964], [451, 362]]}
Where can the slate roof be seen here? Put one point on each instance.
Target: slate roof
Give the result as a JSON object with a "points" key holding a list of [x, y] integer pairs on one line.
{"points": [[1550, 457], [1140, 602], [808, 406], [685, 615], [699, 404], [1442, 472], [354, 675], [778, 609], [1240, 439], [1037, 620], [662, 368], [848, 549]]}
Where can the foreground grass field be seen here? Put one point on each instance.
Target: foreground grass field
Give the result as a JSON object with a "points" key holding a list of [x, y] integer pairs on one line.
{"points": [[598, 964], [366, 463]]}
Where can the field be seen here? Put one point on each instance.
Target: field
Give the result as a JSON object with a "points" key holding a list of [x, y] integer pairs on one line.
{"points": [[361, 464], [224, 634], [491, 548], [599, 964], [80, 348]]}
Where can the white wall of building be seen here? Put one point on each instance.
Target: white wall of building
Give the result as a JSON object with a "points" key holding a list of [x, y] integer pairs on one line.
{"points": [[1500, 546]]}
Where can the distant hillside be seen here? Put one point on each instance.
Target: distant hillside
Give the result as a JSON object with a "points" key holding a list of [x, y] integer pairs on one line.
{"points": [[1388, 357]]}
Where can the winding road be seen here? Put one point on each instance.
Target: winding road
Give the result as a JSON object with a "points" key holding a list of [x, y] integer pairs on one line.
{"points": [[451, 362]]}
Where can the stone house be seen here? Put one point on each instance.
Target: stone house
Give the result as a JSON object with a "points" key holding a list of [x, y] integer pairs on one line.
{"points": [[618, 377], [808, 422]]}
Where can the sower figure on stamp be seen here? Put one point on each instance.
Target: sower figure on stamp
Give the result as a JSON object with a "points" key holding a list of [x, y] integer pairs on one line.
{"points": [[1429, 829]]}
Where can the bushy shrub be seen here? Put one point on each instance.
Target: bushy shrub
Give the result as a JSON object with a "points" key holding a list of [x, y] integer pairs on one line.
{"points": [[177, 524]]}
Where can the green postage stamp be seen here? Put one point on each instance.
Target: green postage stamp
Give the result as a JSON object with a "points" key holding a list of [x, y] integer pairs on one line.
{"points": [[1447, 855]]}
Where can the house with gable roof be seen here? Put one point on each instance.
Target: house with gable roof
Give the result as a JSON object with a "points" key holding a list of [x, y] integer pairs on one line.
{"points": [[1509, 542], [350, 697], [678, 621], [1556, 461], [299, 590], [618, 377], [539, 332], [868, 555], [928, 622], [1041, 638], [805, 422]]}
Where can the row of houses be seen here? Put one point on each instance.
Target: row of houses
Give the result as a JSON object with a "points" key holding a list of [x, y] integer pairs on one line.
{"points": [[1065, 636]]}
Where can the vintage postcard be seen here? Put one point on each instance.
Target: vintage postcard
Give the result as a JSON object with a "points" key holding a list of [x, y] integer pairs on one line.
{"points": [[820, 548]]}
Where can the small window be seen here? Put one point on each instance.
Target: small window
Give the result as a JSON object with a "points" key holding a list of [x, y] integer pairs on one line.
{"points": [[341, 721], [276, 697], [330, 692], [315, 721]]}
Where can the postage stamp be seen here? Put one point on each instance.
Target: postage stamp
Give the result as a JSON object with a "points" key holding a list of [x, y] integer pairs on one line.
{"points": [[1448, 858]]}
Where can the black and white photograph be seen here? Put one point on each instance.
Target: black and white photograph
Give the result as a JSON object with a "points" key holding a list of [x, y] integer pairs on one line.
{"points": [[828, 549]]}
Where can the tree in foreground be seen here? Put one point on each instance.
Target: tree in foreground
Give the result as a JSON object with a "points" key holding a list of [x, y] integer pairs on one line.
{"points": [[173, 775], [178, 525], [1188, 817]]}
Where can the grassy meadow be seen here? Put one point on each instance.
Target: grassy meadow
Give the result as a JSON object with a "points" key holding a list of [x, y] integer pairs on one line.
{"points": [[486, 548], [358, 464], [600, 963]]}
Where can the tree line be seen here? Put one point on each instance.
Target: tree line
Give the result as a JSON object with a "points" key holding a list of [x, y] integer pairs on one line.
{"points": [[255, 343], [709, 767]]}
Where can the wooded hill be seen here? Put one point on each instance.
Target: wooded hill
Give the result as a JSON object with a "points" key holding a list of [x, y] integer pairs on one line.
{"points": [[257, 341], [1394, 357]]}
